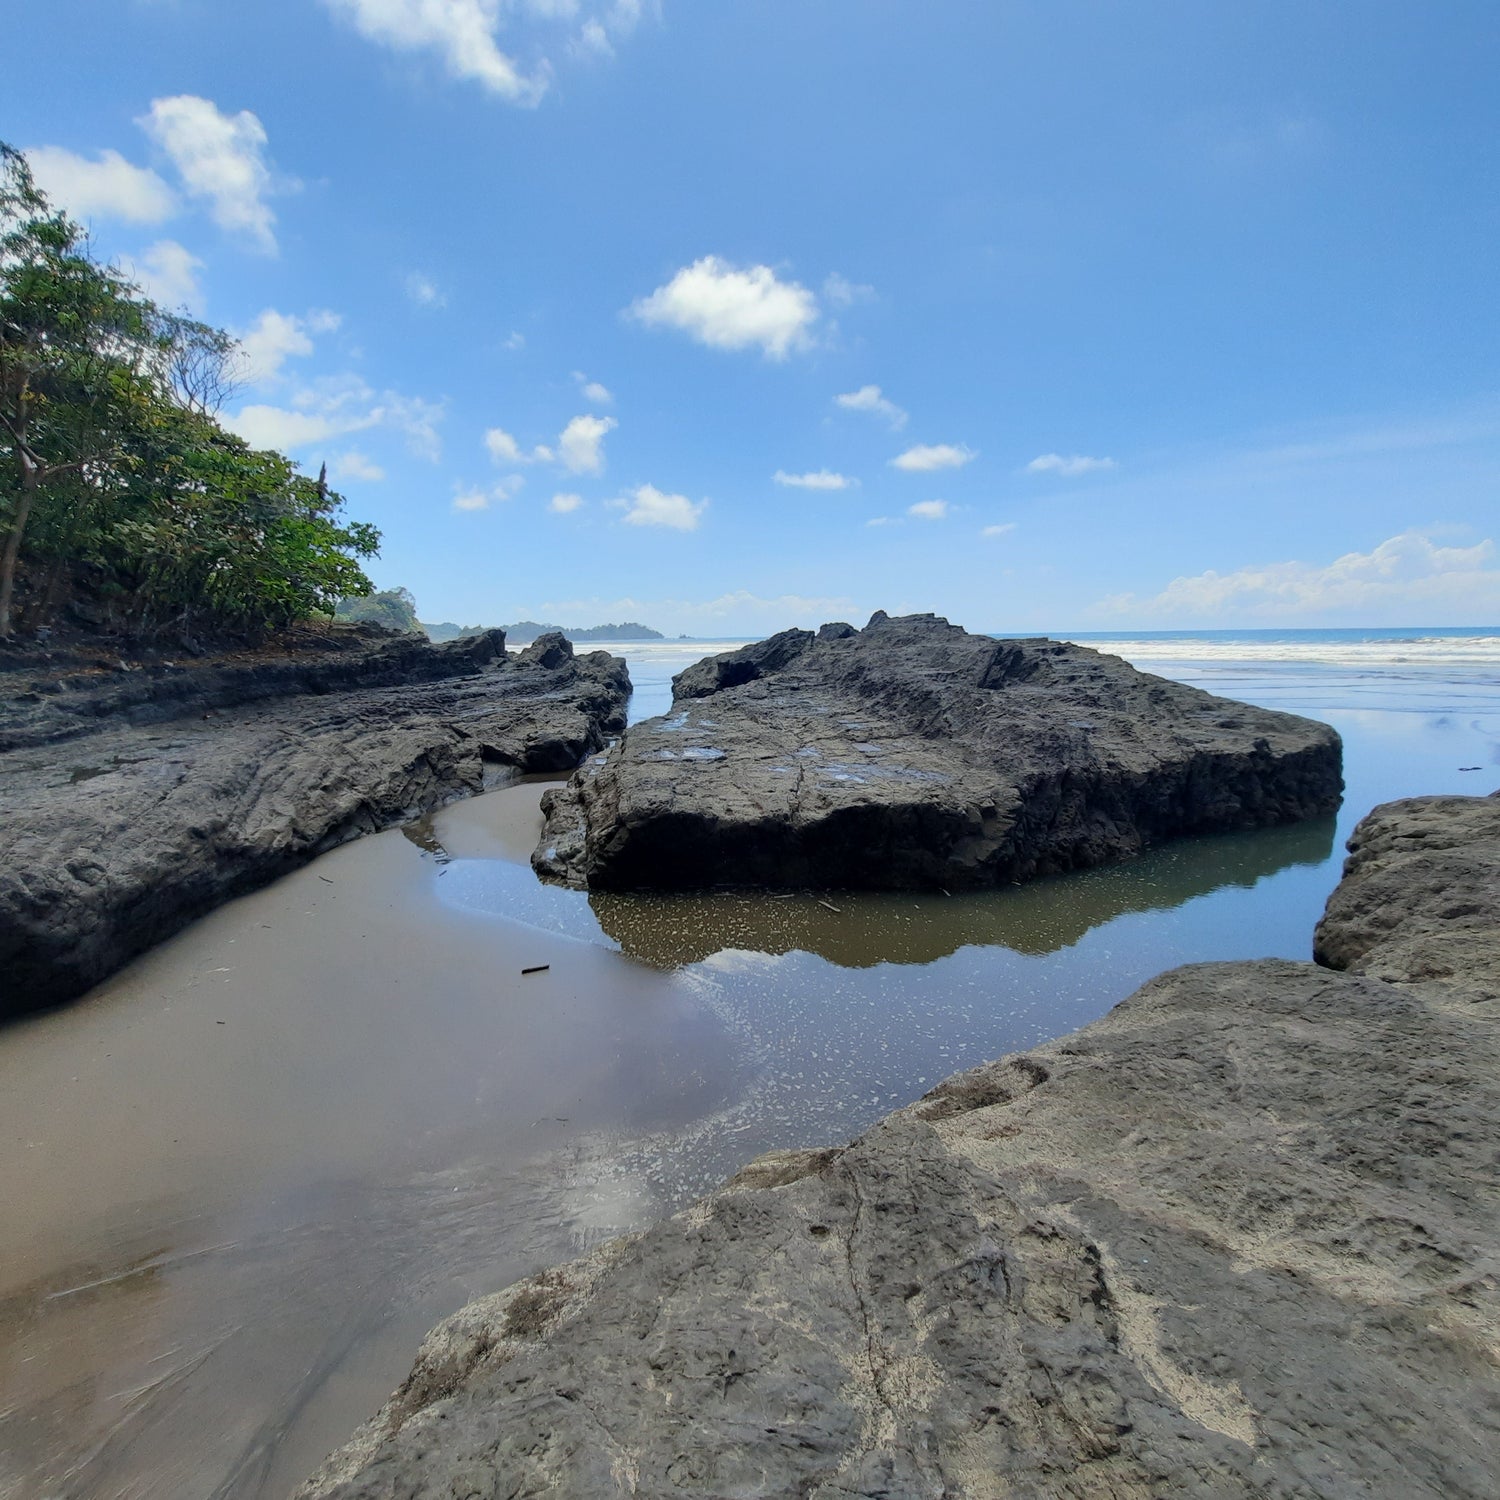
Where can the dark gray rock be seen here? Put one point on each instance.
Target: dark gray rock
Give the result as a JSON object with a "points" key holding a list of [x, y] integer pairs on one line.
{"points": [[913, 754], [45, 700], [1235, 1239], [749, 664], [115, 839], [551, 650], [1421, 867]]}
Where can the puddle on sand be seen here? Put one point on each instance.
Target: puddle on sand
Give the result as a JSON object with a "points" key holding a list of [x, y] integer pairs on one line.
{"points": [[243, 1178]]}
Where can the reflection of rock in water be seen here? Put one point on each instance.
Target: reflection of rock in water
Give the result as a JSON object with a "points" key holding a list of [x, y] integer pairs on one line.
{"points": [[860, 929]]}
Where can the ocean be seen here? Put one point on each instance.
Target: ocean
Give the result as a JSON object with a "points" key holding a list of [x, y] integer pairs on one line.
{"points": [[245, 1175]]}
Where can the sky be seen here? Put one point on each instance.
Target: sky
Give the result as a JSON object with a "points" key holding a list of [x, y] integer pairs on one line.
{"points": [[726, 317]]}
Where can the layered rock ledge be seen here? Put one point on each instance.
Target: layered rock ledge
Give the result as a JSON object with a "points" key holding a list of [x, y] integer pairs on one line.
{"points": [[911, 754], [1237, 1238], [136, 801]]}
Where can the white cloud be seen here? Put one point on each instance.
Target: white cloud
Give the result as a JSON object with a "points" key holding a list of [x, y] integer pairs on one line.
{"points": [[563, 504], [929, 510], [514, 342], [1069, 467], [504, 449], [461, 32], [353, 464], [109, 188], [817, 479], [882, 521], [726, 307], [424, 291], [283, 429], [335, 407], [868, 398], [593, 38], [277, 337], [648, 506], [580, 447], [476, 497], [1407, 576], [926, 457], [168, 274], [592, 390], [220, 158], [1003, 529], [597, 35], [841, 292]]}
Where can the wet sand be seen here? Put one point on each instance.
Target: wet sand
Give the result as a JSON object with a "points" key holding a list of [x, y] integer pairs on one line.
{"points": [[263, 1151], [245, 1176]]}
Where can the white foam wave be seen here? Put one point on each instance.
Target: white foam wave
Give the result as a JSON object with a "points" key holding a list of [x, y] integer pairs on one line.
{"points": [[1467, 653]]}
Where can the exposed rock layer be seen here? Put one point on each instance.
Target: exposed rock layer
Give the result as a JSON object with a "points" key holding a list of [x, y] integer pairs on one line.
{"points": [[44, 699], [913, 754], [1238, 1238], [115, 839]]}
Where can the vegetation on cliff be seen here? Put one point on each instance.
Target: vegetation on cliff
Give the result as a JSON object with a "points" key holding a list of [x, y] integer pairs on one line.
{"points": [[396, 609], [121, 496]]}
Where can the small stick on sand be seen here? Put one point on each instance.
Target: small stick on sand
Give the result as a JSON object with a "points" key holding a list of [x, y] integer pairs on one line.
{"points": [[537, 969], [829, 905]]}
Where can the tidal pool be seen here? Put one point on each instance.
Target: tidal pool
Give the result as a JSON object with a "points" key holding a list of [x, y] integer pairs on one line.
{"points": [[243, 1177]]}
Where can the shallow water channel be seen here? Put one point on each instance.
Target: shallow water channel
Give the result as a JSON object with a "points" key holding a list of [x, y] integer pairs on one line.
{"points": [[241, 1179]]}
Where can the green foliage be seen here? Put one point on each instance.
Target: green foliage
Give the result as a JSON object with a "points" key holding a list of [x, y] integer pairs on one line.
{"points": [[113, 470], [396, 609]]}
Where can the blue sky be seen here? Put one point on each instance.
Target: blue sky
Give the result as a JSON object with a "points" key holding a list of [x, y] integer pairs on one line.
{"points": [[731, 316]]}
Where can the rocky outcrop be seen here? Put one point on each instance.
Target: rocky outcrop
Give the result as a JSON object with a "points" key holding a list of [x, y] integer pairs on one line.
{"points": [[1235, 1239], [47, 698], [913, 754], [115, 839], [1419, 898]]}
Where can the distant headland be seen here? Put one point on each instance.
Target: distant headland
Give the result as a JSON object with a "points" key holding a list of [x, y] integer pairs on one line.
{"points": [[525, 631], [397, 609]]}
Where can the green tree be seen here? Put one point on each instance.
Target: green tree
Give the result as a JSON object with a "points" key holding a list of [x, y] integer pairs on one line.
{"points": [[396, 609], [111, 459]]}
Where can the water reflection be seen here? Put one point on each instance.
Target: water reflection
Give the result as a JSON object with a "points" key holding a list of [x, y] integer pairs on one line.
{"points": [[853, 929]]}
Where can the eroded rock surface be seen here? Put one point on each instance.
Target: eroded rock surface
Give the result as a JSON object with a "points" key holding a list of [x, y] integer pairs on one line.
{"points": [[115, 836], [1237, 1238], [913, 754]]}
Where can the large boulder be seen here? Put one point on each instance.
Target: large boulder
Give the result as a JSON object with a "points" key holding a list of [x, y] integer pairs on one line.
{"points": [[1236, 1239], [145, 803], [913, 754]]}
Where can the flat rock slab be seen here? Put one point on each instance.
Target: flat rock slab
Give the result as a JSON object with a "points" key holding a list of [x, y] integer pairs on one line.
{"points": [[114, 837], [912, 754], [1241, 1237]]}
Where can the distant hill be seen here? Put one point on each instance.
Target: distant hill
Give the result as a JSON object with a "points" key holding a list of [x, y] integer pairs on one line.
{"points": [[525, 631], [448, 631]]}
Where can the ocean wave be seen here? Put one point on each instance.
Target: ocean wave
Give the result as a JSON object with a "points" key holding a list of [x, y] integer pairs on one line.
{"points": [[1415, 652]]}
